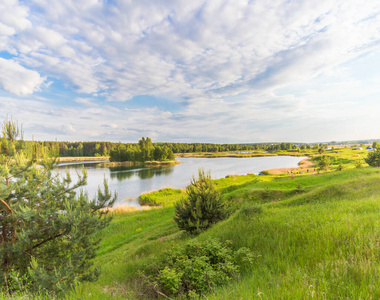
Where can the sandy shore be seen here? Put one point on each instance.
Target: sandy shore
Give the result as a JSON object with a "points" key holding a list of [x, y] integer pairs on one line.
{"points": [[303, 166], [82, 158]]}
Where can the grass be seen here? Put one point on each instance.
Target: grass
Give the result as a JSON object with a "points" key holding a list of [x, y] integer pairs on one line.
{"points": [[314, 237]]}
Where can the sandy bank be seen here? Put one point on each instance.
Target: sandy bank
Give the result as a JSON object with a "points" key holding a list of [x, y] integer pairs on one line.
{"points": [[303, 166]]}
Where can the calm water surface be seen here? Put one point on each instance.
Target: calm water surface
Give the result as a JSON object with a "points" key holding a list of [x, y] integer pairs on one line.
{"points": [[129, 183]]}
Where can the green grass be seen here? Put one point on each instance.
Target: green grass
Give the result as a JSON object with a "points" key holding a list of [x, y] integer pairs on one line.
{"points": [[166, 197], [314, 237], [317, 237]]}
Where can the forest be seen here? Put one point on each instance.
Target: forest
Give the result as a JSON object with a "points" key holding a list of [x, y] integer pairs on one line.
{"points": [[100, 148]]}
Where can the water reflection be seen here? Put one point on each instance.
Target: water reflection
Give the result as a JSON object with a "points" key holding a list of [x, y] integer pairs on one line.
{"points": [[129, 183], [122, 173]]}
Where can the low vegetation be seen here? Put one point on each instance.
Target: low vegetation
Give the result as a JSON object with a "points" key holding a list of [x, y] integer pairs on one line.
{"points": [[202, 207], [308, 236], [290, 236]]}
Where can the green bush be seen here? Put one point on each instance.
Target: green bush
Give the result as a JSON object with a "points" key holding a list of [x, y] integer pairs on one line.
{"points": [[324, 162], [202, 207], [373, 158], [196, 268]]}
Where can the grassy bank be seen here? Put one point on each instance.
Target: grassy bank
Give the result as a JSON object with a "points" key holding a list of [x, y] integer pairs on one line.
{"points": [[82, 158], [140, 164], [317, 238]]}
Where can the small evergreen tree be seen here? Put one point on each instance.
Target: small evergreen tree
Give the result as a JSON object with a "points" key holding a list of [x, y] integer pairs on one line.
{"points": [[202, 207], [45, 228]]}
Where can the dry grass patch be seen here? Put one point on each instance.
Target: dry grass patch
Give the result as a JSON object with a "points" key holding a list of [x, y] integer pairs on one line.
{"points": [[303, 166]]}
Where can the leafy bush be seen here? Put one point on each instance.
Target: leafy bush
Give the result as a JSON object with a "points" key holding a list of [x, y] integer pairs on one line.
{"points": [[373, 158], [196, 268], [324, 162], [202, 207], [359, 164]]}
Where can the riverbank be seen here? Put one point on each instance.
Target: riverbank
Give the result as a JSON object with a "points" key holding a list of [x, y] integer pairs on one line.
{"points": [[242, 154], [301, 240], [139, 164], [83, 158], [304, 166]]}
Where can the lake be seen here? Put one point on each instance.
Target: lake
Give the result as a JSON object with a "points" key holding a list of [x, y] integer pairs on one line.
{"points": [[129, 183]]}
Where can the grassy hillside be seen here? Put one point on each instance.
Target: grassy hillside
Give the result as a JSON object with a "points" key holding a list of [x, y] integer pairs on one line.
{"points": [[317, 237]]}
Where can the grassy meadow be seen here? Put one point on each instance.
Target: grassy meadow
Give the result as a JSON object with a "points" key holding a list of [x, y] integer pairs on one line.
{"points": [[314, 236]]}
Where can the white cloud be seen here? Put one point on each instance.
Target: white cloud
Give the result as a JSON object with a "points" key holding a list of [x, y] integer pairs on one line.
{"points": [[18, 80], [240, 66], [124, 49], [85, 101]]}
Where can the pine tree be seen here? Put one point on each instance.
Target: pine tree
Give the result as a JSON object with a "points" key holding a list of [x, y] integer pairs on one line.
{"points": [[45, 228], [202, 207]]}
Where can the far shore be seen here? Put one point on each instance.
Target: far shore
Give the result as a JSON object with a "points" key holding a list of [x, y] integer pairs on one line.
{"points": [[239, 155], [140, 164], [82, 158]]}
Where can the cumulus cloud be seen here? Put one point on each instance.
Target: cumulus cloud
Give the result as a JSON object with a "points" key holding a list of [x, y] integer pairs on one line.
{"points": [[18, 80], [123, 49], [238, 65]]}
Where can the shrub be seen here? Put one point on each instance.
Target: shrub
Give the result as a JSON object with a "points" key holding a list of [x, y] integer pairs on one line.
{"points": [[324, 162], [373, 158], [359, 164], [202, 207], [197, 267]]}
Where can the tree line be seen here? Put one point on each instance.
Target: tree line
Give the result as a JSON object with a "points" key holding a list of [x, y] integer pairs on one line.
{"points": [[150, 150], [144, 150]]}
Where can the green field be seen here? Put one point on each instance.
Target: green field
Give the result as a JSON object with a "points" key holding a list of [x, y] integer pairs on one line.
{"points": [[318, 237]]}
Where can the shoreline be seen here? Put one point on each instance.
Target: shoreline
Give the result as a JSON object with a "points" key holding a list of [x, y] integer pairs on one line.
{"points": [[140, 164], [238, 155], [82, 158], [303, 166]]}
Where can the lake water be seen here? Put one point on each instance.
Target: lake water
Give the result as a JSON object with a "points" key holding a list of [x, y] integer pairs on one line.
{"points": [[129, 183]]}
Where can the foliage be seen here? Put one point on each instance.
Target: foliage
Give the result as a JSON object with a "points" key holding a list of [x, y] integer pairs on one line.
{"points": [[373, 158], [202, 207], [299, 241], [324, 162], [197, 267], [45, 227], [359, 164], [143, 151]]}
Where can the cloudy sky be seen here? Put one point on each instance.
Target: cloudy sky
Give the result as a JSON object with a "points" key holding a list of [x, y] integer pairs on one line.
{"points": [[219, 71]]}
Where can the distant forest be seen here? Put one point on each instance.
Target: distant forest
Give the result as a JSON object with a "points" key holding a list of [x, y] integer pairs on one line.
{"points": [[64, 149]]}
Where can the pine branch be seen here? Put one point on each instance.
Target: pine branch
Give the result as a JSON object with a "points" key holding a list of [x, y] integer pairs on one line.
{"points": [[45, 241], [7, 206]]}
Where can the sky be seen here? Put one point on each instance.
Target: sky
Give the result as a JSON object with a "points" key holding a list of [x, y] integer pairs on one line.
{"points": [[216, 71]]}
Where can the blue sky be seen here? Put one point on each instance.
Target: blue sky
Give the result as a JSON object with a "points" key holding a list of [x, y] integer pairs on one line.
{"points": [[191, 71]]}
